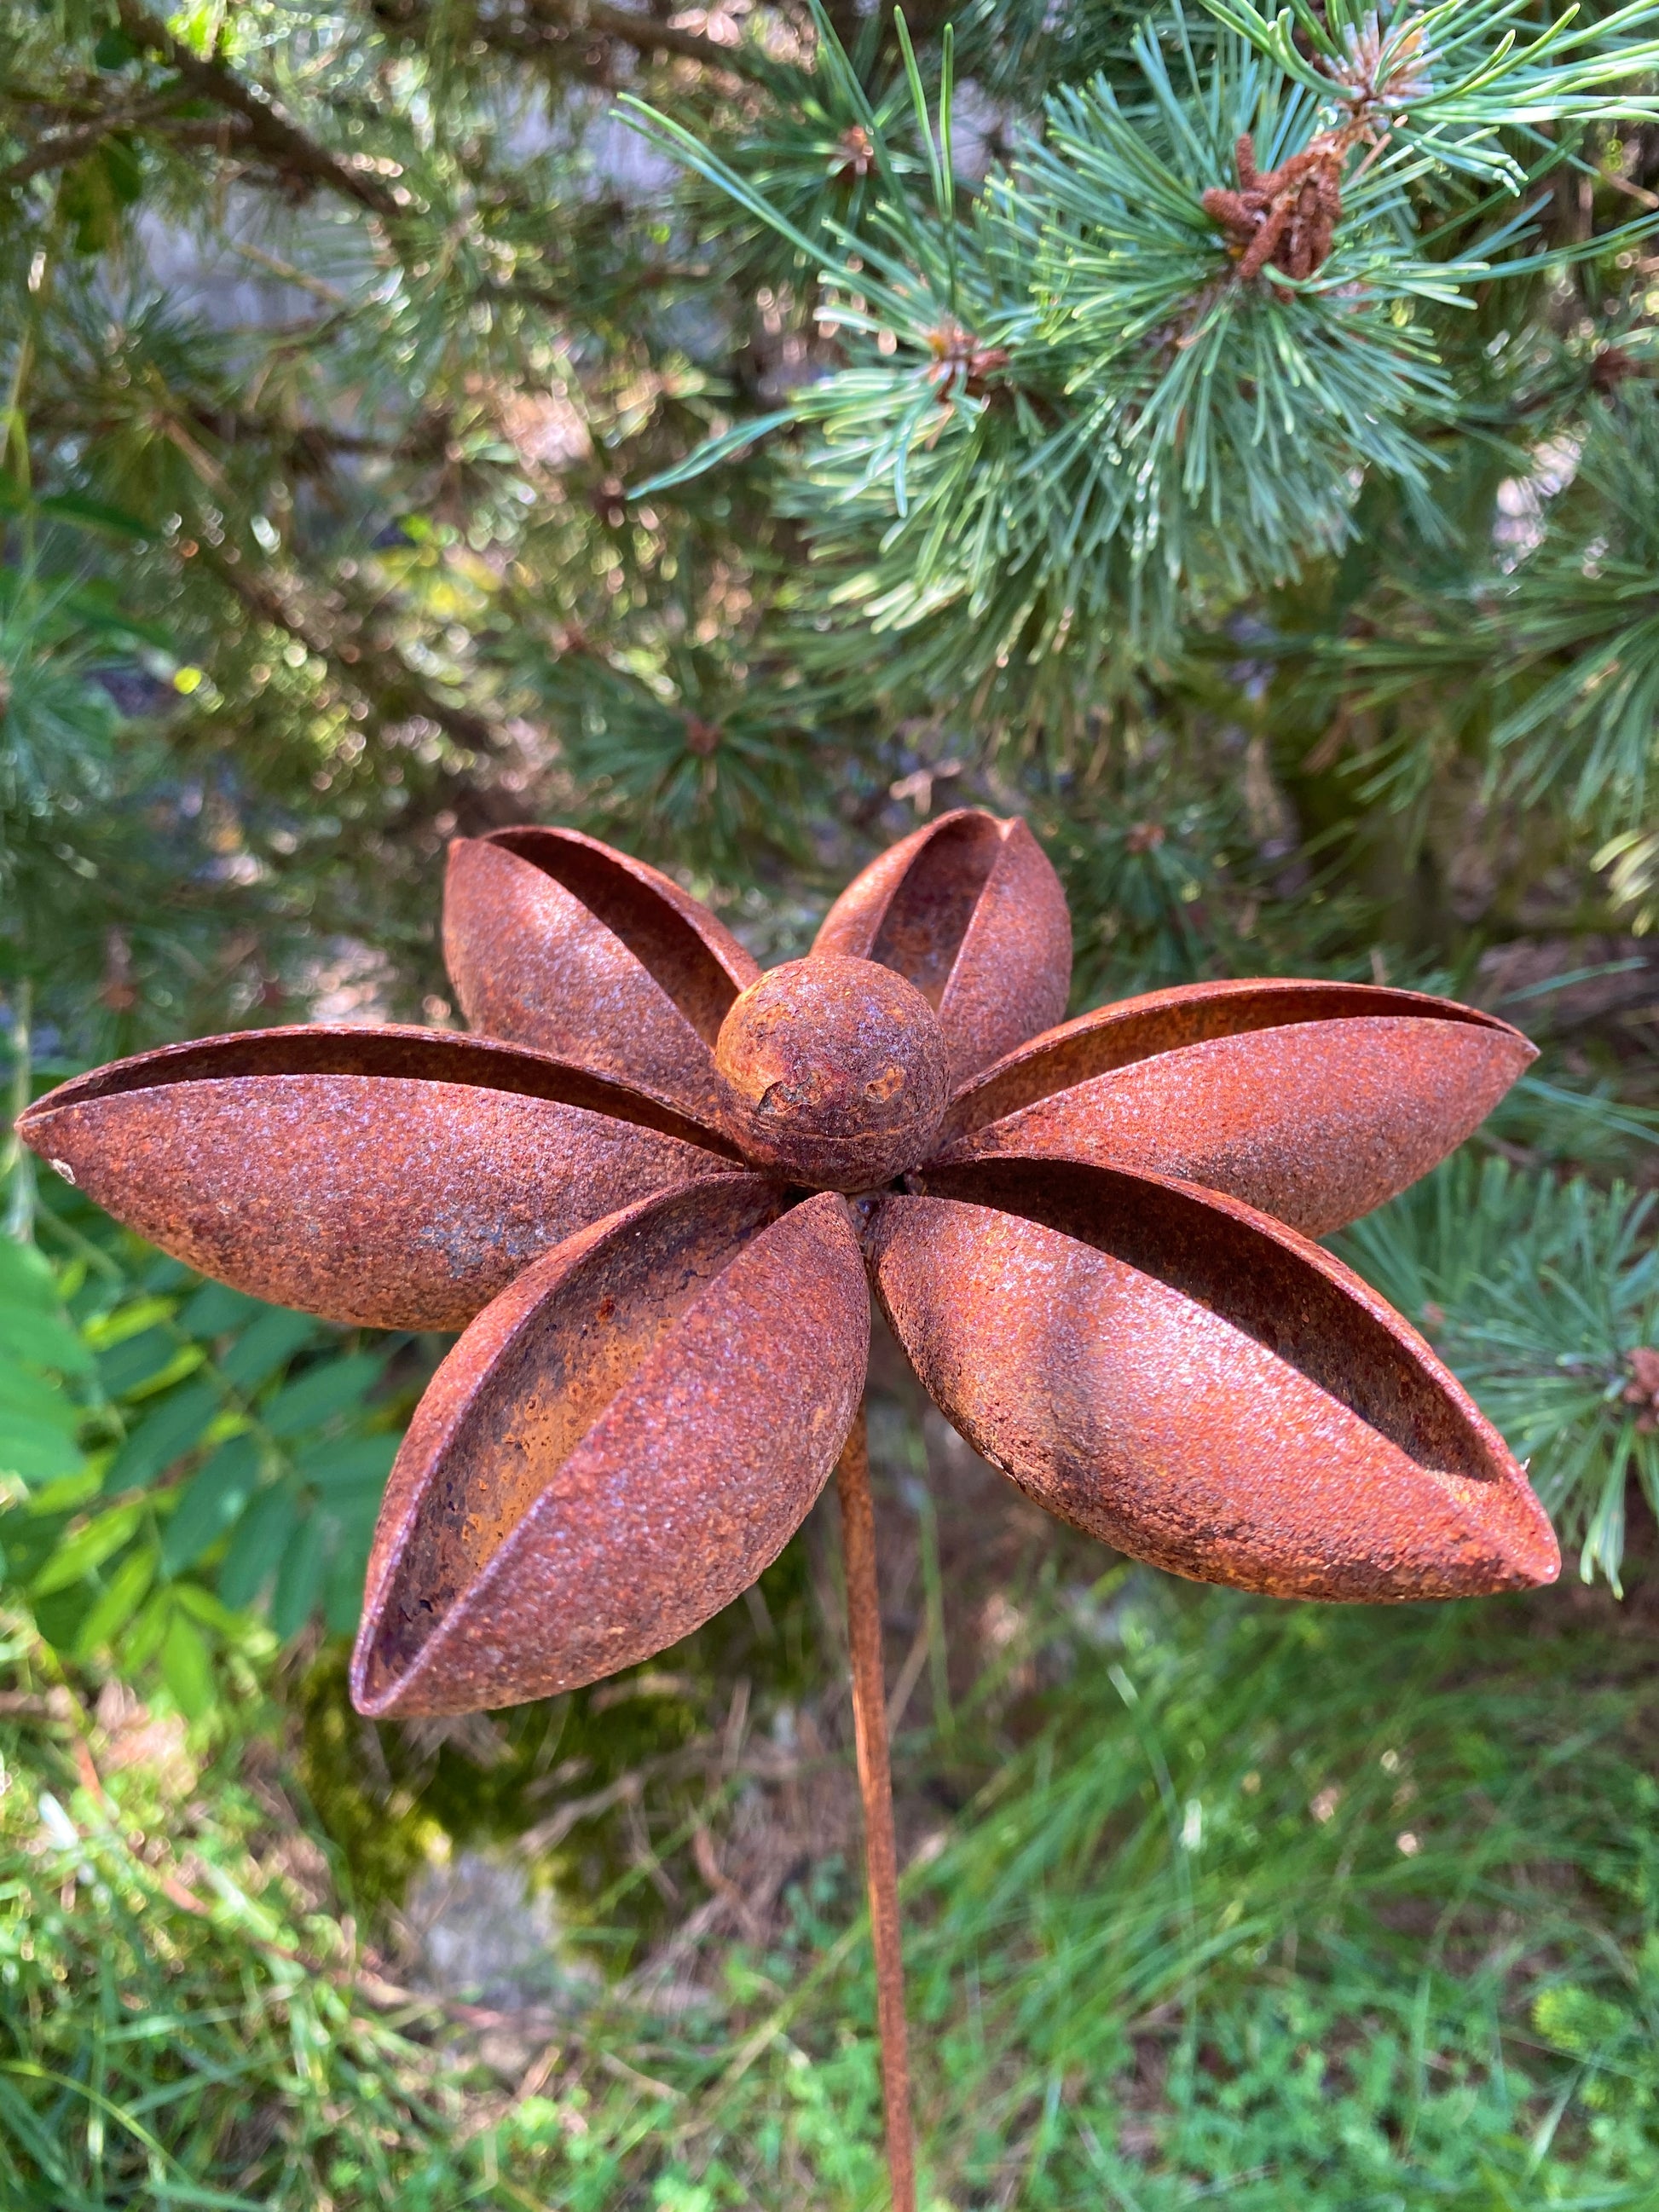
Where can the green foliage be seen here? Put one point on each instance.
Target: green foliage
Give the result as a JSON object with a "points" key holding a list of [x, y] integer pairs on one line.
{"points": [[179, 2032], [1356, 1908], [1584, 596], [1544, 1297], [344, 546], [183, 1461], [1061, 412]]}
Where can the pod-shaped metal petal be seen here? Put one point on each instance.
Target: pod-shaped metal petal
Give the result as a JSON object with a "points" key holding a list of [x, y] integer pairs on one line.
{"points": [[969, 910], [1313, 1101], [554, 940], [1200, 1386], [396, 1177], [615, 1449]]}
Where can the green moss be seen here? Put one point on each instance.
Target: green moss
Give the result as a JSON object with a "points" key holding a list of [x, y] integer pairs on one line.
{"points": [[386, 1793]]}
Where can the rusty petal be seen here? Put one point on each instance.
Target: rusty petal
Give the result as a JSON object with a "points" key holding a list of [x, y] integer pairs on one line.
{"points": [[1200, 1386], [969, 910], [1314, 1101], [554, 940], [615, 1449], [394, 1177]]}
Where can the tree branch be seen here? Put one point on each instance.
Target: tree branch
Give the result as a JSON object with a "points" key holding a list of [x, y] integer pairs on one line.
{"points": [[377, 672], [646, 34], [56, 149], [269, 131]]}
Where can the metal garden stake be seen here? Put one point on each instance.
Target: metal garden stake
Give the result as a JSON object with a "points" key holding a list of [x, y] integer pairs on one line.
{"points": [[655, 1186]]}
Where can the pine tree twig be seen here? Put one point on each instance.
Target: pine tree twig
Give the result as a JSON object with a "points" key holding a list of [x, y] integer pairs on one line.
{"points": [[288, 274], [1639, 193], [381, 675], [303, 445], [281, 143], [1287, 216], [58, 149]]}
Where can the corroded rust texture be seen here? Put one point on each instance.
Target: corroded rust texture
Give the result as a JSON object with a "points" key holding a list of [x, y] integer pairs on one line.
{"points": [[617, 1448], [634, 1195], [552, 939], [1079, 1232], [837, 1072], [1313, 1101], [1188, 1379], [858, 1547], [969, 910], [394, 1177]]}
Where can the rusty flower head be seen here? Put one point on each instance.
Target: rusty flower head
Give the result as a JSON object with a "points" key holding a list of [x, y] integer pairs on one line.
{"points": [[654, 1188]]}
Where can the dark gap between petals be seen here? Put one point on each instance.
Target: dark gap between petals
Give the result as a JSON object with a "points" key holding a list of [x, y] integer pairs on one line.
{"points": [[389, 1052], [542, 1367], [928, 916], [1266, 1289], [1042, 1071], [662, 940]]}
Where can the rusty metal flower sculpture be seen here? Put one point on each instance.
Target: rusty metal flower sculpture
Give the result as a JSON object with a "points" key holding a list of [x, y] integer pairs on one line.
{"points": [[650, 1190]]}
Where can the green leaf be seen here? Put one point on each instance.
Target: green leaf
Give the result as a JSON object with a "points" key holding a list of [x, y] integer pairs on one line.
{"points": [[103, 1331], [299, 1577], [30, 1541], [201, 1605], [136, 1359], [321, 1392], [186, 1668], [36, 1451], [164, 1436], [116, 1606], [349, 1463], [342, 1593], [94, 514], [257, 1354], [213, 1503], [216, 1308], [36, 1399], [89, 1547], [44, 1339], [68, 1493], [143, 1639], [261, 1535], [25, 1277]]}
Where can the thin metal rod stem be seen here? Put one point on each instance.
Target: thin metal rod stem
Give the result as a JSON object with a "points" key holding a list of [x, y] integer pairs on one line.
{"points": [[857, 1539]]}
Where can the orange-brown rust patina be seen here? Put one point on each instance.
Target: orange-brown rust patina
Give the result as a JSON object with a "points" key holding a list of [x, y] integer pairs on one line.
{"points": [[652, 1196]]}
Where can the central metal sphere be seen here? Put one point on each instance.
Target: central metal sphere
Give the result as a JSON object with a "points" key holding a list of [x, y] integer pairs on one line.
{"points": [[838, 1070]]}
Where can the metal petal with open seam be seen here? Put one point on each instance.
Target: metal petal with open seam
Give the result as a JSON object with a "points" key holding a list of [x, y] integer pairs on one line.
{"points": [[393, 1178], [969, 910], [1184, 1377], [554, 940], [615, 1449], [1313, 1102]]}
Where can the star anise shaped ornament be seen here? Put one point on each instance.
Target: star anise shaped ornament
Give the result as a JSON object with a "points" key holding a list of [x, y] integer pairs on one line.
{"points": [[651, 1191]]}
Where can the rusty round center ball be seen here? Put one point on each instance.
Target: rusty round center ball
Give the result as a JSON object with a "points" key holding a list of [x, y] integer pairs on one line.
{"points": [[838, 1072]]}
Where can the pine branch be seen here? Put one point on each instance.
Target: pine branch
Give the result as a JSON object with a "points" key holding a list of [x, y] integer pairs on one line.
{"points": [[533, 27], [56, 149], [376, 673], [281, 143], [646, 34], [1544, 1297]]}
